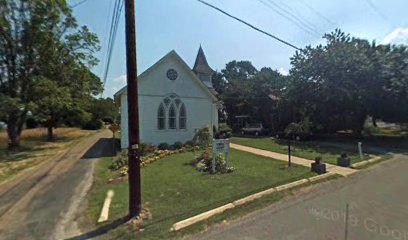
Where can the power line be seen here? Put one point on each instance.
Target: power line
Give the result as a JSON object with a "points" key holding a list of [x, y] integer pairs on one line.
{"points": [[249, 25], [317, 13], [112, 35], [291, 17], [105, 36], [380, 13], [299, 14], [78, 3]]}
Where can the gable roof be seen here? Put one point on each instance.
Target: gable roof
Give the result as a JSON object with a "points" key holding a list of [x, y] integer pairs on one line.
{"points": [[201, 64], [183, 64]]}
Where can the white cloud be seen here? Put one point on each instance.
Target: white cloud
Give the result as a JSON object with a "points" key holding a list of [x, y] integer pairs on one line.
{"points": [[121, 80], [283, 71], [398, 36], [111, 87]]}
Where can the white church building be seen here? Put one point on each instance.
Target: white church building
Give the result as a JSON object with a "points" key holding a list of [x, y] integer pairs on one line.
{"points": [[174, 101]]}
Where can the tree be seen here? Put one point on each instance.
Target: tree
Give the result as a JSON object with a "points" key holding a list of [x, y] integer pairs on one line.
{"points": [[338, 85], [104, 109], [51, 101], [248, 91], [40, 41]]}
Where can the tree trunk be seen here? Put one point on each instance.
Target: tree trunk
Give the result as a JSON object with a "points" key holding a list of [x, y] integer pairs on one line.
{"points": [[13, 137], [14, 129], [50, 133], [374, 120]]}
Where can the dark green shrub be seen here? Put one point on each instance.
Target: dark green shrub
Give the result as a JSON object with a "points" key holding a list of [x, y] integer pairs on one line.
{"points": [[120, 161], [224, 131], [203, 137], [147, 148], [178, 145], [163, 146], [94, 124], [189, 143]]}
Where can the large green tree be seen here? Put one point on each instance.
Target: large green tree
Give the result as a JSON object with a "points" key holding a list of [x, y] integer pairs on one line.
{"points": [[40, 41], [248, 91], [339, 84]]}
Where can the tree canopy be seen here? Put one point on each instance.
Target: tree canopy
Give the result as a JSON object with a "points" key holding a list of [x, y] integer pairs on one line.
{"points": [[44, 56], [337, 86]]}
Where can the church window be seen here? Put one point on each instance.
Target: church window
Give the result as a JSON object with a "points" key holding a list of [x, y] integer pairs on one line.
{"points": [[182, 117], [161, 119], [172, 117]]}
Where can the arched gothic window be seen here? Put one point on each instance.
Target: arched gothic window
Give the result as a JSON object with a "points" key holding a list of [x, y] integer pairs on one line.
{"points": [[161, 117], [172, 117], [171, 113], [182, 117]]}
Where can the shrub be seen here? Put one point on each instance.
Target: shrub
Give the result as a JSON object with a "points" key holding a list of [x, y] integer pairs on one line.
{"points": [[147, 148], [178, 145], [301, 129], [189, 143], [163, 146], [203, 137], [224, 131], [93, 124], [120, 162]]}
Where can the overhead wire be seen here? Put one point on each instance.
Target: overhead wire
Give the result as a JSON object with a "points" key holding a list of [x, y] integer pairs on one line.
{"points": [[317, 13], [112, 36], [78, 3], [249, 25], [380, 13], [290, 17]]}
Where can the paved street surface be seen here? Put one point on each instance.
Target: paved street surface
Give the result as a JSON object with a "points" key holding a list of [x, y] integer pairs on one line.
{"points": [[378, 209], [297, 160], [46, 203]]}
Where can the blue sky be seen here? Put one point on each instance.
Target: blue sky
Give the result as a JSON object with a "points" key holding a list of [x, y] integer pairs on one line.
{"points": [[182, 25]]}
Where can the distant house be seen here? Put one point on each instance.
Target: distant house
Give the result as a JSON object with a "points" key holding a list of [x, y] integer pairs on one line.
{"points": [[174, 101]]}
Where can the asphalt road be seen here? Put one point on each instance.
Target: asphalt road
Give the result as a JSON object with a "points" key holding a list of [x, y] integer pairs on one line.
{"points": [[378, 209], [46, 203]]}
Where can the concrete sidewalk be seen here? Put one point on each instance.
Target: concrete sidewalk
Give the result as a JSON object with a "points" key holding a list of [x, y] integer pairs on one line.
{"points": [[296, 160]]}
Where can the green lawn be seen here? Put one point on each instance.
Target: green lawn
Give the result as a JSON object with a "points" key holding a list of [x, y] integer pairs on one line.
{"points": [[173, 190], [308, 150]]}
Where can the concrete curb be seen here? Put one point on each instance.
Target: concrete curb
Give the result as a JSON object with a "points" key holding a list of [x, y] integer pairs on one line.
{"points": [[198, 218], [363, 163], [105, 209], [253, 197], [203, 216], [291, 185], [320, 177]]}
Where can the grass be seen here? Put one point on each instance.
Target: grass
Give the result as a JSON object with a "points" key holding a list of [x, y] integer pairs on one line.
{"points": [[35, 149], [173, 190], [309, 150]]}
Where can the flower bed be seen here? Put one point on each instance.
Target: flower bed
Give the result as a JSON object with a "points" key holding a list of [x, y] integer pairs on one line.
{"points": [[204, 163], [121, 162]]}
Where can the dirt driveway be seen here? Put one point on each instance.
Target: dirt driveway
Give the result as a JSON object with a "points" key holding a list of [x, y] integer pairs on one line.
{"points": [[46, 203]]}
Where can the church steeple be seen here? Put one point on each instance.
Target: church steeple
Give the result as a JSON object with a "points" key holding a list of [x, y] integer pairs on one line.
{"points": [[202, 69]]}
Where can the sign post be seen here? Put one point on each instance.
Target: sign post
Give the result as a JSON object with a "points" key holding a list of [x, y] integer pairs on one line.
{"points": [[360, 150], [220, 146]]}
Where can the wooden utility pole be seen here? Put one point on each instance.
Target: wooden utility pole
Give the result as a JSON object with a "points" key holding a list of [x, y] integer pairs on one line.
{"points": [[289, 155], [135, 197]]}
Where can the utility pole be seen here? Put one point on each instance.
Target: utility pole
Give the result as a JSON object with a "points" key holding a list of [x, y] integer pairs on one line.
{"points": [[135, 196], [289, 155]]}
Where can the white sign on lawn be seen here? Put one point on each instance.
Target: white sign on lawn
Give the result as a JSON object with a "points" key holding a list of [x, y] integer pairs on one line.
{"points": [[220, 146]]}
